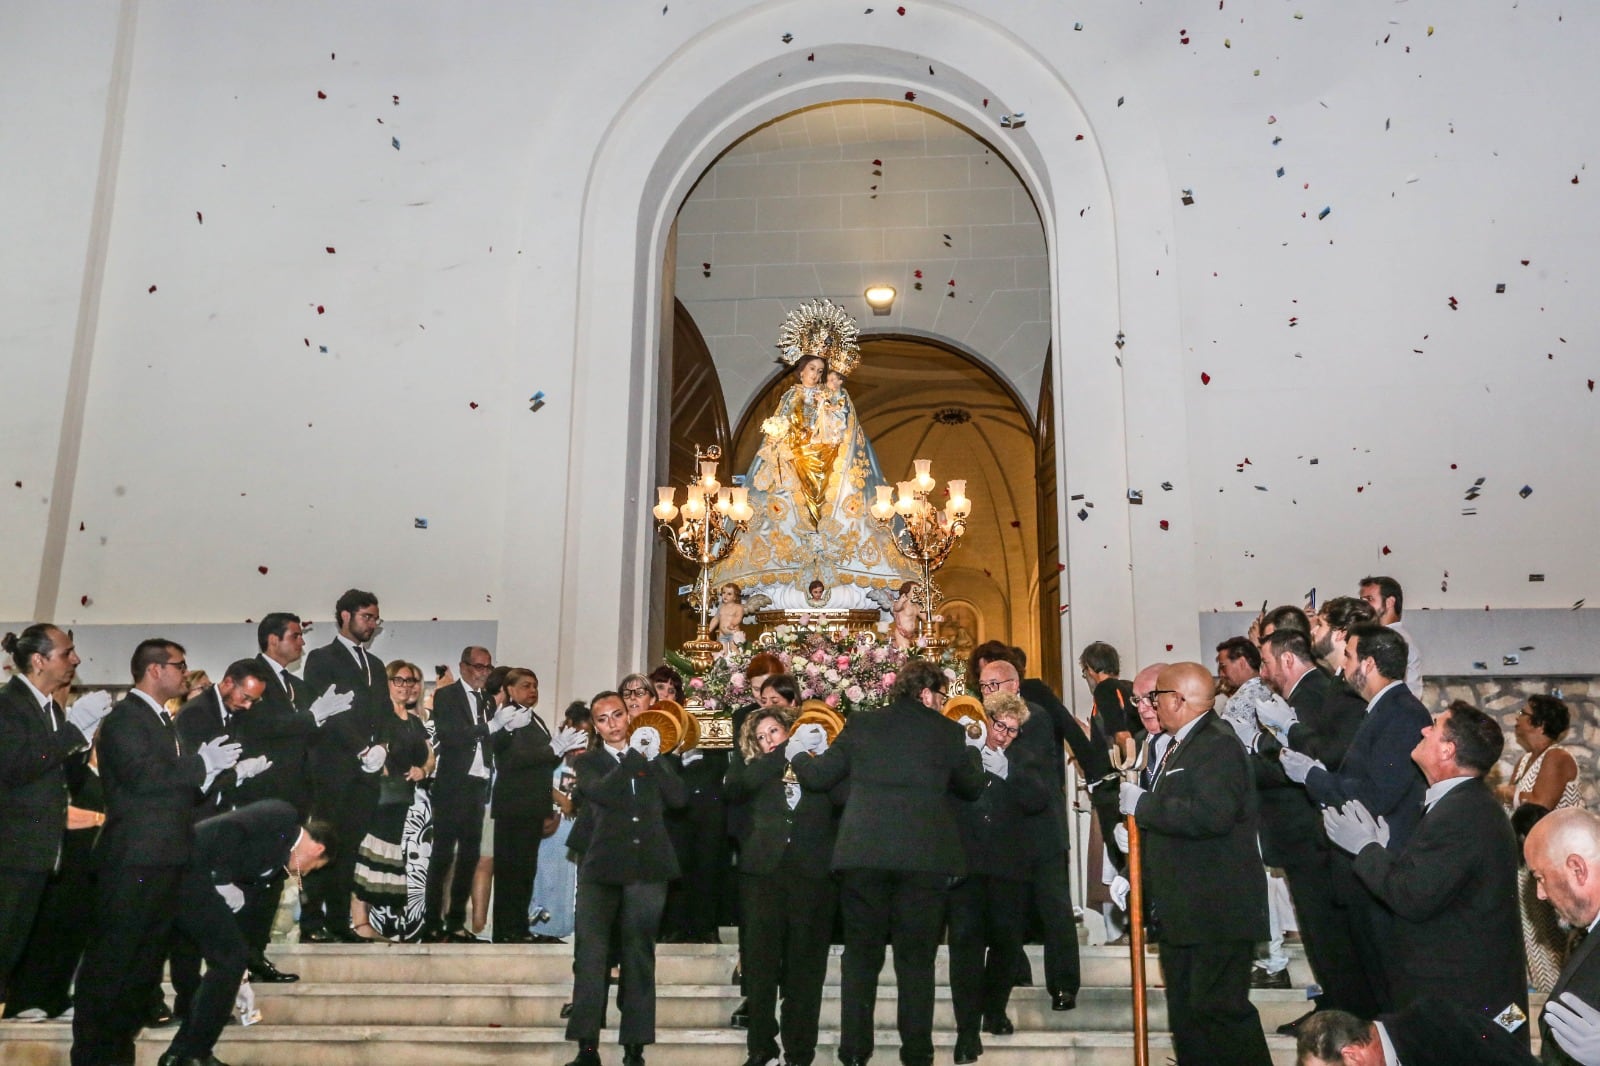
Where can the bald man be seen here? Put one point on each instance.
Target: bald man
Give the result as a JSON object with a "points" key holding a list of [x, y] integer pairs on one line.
{"points": [[1563, 851], [1203, 873]]}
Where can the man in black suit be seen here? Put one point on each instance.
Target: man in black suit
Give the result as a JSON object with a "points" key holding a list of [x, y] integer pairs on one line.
{"points": [[1563, 851], [233, 853], [1431, 1032], [345, 762], [1203, 874], [1457, 872], [151, 795], [897, 849], [626, 788], [220, 711], [1377, 770], [38, 741], [1321, 718], [464, 725], [525, 765]]}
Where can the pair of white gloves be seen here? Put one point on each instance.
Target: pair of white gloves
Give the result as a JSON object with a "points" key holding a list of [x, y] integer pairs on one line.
{"points": [[646, 740], [221, 753], [810, 737]]}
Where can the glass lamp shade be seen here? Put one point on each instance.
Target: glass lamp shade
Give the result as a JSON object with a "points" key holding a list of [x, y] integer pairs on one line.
{"points": [[665, 510], [923, 479]]}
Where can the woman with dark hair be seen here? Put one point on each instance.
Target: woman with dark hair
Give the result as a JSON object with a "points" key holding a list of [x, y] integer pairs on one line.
{"points": [[668, 683], [1547, 776]]}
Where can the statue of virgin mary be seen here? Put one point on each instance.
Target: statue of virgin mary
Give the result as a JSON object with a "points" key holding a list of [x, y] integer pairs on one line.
{"points": [[811, 484]]}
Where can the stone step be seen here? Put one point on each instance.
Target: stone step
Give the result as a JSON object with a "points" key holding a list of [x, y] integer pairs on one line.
{"points": [[47, 1044], [680, 1006], [695, 964]]}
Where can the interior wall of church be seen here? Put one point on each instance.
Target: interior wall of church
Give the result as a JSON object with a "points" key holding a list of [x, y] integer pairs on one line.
{"points": [[323, 318]]}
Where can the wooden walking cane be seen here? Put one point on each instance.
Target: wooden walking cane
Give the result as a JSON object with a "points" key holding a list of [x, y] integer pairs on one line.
{"points": [[1141, 1022]]}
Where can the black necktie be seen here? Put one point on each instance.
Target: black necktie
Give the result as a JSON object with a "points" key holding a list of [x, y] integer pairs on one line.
{"points": [[288, 684], [483, 720], [52, 711], [366, 667]]}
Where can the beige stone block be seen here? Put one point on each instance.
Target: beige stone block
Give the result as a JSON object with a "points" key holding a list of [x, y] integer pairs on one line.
{"points": [[839, 246], [970, 207], [786, 282], [716, 216], [834, 178], [735, 248], [735, 282], [932, 173], [919, 245], [888, 211], [1011, 240], [797, 213], [989, 171], [755, 179]]}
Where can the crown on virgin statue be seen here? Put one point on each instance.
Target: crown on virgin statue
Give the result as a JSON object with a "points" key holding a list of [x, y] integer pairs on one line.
{"points": [[820, 328]]}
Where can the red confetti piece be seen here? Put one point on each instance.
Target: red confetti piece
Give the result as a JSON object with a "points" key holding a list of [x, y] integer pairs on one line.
{"points": [[1060, 567], [198, 217], [1079, 137], [912, 96], [307, 340], [1016, 524], [472, 404], [396, 101], [1164, 524], [321, 95], [262, 569], [1452, 466], [1574, 181], [985, 101], [84, 600], [1525, 262], [899, 11], [152, 288], [1169, 647], [877, 162], [916, 273], [329, 249], [1386, 549], [1591, 384], [1205, 379], [19, 484], [1238, 603], [80, 527], [812, 58], [320, 309], [1453, 305], [952, 283]]}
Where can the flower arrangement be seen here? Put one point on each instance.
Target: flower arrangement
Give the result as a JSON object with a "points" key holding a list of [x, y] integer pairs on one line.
{"points": [[848, 671]]}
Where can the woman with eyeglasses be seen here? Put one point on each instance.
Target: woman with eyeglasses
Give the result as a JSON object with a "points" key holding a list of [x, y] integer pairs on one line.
{"points": [[638, 693], [380, 910]]}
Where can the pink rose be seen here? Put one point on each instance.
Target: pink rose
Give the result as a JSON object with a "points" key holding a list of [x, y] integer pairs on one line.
{"points": [[887, 680], [819, 656], [736, 681], [710, 704], [854, 694], [879, 654], [697, 683], [832, 699], [843, 662]]}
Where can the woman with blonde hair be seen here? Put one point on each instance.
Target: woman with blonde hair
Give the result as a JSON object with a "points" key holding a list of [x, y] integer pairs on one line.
{"points": [[386, 886]]}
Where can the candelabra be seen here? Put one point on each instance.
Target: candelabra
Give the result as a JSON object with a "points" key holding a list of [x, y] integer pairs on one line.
{"points": [[926, 536], [710, 521]]}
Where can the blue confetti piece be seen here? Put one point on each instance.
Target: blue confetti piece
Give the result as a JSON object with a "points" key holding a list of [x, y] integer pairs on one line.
{"points": [[419, 523], [396, 142], [1324, 213], [1280, 172], [1525, 491], [323, 348]]}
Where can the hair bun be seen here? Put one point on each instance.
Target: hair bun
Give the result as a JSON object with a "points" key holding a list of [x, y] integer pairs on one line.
{"points": [[8, 643]]}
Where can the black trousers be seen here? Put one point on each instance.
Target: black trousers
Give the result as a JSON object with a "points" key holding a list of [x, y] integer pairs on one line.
{"points": [[1052, 906], [121, 970], [516, 863], [905, 909], [207, 927], [699, 834], [43, 976], [326, 899], [20, 894], [788, 919], [260, 908], [633, 914], [1208, 1004], [457, 839], [987, 918], [1325, 931]]}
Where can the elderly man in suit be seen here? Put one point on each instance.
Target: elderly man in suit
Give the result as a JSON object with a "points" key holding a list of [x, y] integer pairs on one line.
{"points": [[345, 761], [1203, 873], [1377, 770], [233, 852], [898, 847], [1563, 851], [151, 797], [1430, 1032], [626, 788], [464, 726], [38, 741]]}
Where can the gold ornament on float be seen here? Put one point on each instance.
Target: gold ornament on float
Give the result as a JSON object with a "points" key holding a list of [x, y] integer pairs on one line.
{"points": [[821, 328]]}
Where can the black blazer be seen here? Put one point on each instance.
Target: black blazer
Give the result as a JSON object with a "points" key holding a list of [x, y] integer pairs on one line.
{"points": [[246, 846], [198, 722], [1453, 891], [525, 770], [280, 727], [34, 756], [1291, 822], [457, 734], [627, 801], [804, 834], [1580, 976], [1377, 768], [1010, 826], [902, 762], [151, 790], [336, 758], [1438, 1032], [1202, 869]]}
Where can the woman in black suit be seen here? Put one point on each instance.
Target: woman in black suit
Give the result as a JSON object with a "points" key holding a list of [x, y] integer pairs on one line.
{"points": [[786, 891]]}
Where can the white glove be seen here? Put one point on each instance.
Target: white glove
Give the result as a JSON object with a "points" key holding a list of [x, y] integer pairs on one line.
{"points": [[218, 755], [1296, 765], [89, 711], [1120, 887], [1277, 716], [1576, 1027], [245, 769], [994, 761], [690, 757], [646, 741], [814, 737], [507, 718], [983, 732], [331, 703], [244, 1004], [1119, 833], [1128, 795], [1352, 827], [568, 738], [796, 745], [232, 895], [372, 759]]}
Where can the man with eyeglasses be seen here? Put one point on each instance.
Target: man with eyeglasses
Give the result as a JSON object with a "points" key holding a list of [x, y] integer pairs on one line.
{"points": [[1203, 873], [345, 762], [151, 794], [896, 851], [464, 721]]}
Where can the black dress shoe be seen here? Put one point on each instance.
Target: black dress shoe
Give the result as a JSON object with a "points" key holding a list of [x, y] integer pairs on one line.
{"points": [[346, 935], [566, 1009], [459, 936], [756, 1058], [853, 1060], [1293, 1028], [587, 1056], [542, 938], [158, 1016], [513, 938], [318, 935], [999, 1025], [262, 971], [1260, 978], [1063, 1001], [632, 1055], [741, 1016], [968, 1047]]}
